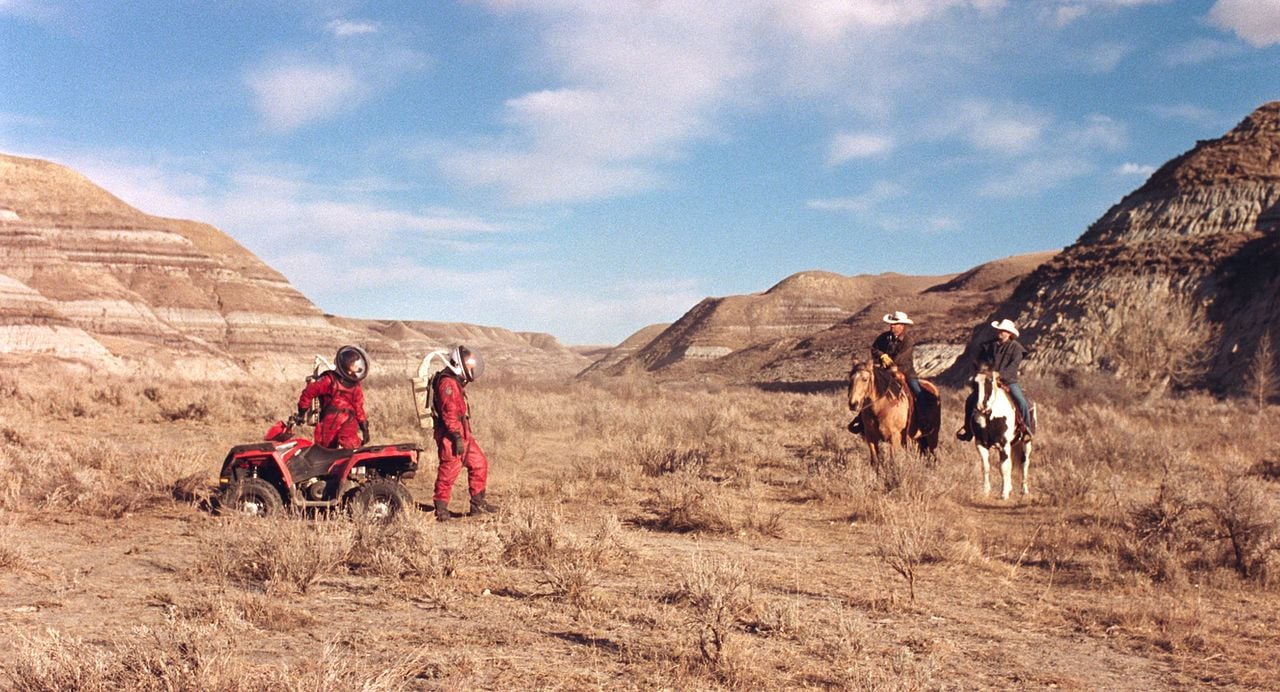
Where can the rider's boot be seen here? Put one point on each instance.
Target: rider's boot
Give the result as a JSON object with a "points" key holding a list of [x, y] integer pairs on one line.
{"points": [[963, 434], [442, 510], [481, 506]]}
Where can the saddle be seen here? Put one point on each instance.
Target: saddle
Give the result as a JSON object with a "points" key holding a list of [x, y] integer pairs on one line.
{"points": [[913, 420]]}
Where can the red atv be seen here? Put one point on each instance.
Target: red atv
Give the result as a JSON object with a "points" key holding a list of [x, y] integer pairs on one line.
{"points": [[289, 470]]}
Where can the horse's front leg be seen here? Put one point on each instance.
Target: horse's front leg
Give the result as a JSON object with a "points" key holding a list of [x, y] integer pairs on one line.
{"points": [[985, 467], [1006, 470], [1026, 463]]}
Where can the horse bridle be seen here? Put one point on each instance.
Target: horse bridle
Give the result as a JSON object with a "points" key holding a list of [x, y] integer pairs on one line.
{"points": [[866, 399]]}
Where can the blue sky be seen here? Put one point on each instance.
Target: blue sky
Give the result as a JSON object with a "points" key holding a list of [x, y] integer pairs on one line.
{"points": [[586, 168]]}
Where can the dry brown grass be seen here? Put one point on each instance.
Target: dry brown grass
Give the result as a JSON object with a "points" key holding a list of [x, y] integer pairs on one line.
{"points": [[650, 537]]}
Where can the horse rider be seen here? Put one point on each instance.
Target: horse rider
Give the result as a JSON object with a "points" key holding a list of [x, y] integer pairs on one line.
{"points": [[894, 350], [1004, 355], [455, 445], [341, 401]]}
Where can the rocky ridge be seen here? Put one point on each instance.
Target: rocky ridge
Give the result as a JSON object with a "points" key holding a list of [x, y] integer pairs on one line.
{"points": [[1203, 231], [87, 278]]}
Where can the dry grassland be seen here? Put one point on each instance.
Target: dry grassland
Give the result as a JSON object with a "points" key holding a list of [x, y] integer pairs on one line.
{"points": [[649, 538]]}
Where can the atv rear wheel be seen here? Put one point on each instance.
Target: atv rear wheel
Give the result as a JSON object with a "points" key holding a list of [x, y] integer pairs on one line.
{"points": [[252, 496], [379, 500]]}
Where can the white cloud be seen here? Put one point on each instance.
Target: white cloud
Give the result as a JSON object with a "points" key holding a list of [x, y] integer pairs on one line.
{"points": [[878, 193], [1069, 11], [513, 297], [343, 28], [918, 224], [635, 84], [1140, 169], [848, 146], [1255, 21], [1036, 176], [1187, 112], [1105, 57], [1200, 51], [1066, 14], [991, 128], [274, 209], [291, 95], [1098, 132]]}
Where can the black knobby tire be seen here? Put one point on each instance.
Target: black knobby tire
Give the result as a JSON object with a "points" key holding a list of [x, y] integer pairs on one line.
{"points": [[252, 496], [380, 500]]}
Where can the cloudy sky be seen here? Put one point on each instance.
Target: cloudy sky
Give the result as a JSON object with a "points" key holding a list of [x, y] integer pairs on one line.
{"points": [[585, 168]]}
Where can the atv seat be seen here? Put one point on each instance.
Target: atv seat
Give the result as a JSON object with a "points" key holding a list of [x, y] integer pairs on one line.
{"points": [[315, 461]]}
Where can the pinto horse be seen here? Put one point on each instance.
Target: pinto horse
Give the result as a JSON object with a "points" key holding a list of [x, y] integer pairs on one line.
{"points": [[993, 429]]}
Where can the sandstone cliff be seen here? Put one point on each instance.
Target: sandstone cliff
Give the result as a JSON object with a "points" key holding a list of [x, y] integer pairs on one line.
{"points": [[1197, 243], [798, 305], [85, 277]]}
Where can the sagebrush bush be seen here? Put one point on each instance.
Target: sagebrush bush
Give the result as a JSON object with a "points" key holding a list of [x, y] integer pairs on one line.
{"points": [[718, 593], [278, 555]]}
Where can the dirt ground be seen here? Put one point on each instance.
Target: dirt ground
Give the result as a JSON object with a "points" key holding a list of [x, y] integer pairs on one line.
{"points": [[806, 586]]}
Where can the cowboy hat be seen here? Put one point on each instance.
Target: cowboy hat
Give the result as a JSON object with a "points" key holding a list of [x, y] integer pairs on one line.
{"points": [[898, 317], [1005, 325]]}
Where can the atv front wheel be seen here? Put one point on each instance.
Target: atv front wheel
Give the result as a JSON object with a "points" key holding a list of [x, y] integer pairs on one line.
{"points": [[379, 500], [252, 496]]}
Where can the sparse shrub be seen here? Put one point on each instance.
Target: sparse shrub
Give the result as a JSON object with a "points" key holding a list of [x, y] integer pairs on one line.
{"points": [[401, 551], [718, 593], [569, 563], [1156, 337], [278, 555], [1260, 380], [1166, 531], [1248, 515], [686, 503], [909, 536]]}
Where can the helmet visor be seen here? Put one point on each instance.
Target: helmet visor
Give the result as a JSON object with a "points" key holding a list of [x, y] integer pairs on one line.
{"points": [[472, 365]]}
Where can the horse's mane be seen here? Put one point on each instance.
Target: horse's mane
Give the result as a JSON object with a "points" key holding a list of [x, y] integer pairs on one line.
{"points": [[886, 382]]}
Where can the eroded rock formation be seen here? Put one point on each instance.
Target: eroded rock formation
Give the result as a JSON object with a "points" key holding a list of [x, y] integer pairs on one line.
{"points": [[86, 277], [1200, 233]]}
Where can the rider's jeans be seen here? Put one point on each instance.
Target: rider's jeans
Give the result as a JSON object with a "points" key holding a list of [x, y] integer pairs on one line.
{"points": [[1020, 399]]}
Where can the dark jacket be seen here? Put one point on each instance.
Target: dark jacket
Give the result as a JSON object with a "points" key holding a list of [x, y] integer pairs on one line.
{"points": [[1004, 358], [901, 350]]}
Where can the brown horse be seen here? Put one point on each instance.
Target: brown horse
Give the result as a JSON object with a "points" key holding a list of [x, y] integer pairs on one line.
{"points": [[883, 404]]}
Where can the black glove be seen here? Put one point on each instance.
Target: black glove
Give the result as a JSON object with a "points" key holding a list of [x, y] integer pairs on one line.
{"points": [[364, 432], [456, 439]]}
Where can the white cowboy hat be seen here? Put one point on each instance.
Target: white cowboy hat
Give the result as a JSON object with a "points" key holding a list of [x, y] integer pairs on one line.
{"points": [[1006, 325], [898, 317]]}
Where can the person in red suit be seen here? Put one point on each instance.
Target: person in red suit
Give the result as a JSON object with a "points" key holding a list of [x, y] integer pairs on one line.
{"points": [[455, 445], [343, 422]]}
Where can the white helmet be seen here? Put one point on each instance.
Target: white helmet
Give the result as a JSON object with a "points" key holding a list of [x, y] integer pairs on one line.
{"points": [[466, 363]]}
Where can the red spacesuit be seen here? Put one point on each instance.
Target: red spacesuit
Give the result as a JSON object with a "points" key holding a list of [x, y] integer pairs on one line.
{"points": [[343, 422], [455, 444]]}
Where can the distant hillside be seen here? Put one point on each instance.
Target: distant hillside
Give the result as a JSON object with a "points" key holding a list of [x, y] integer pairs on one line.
{"points": [[608, 358], [1203, 231], [86, 278], [944, 315], [802, 332], [796, 306]]}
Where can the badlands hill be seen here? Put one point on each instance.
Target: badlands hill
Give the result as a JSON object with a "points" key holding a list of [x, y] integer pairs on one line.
{"points": [[1197, 245], [803, 332], [89, 280], [798, 305]]}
